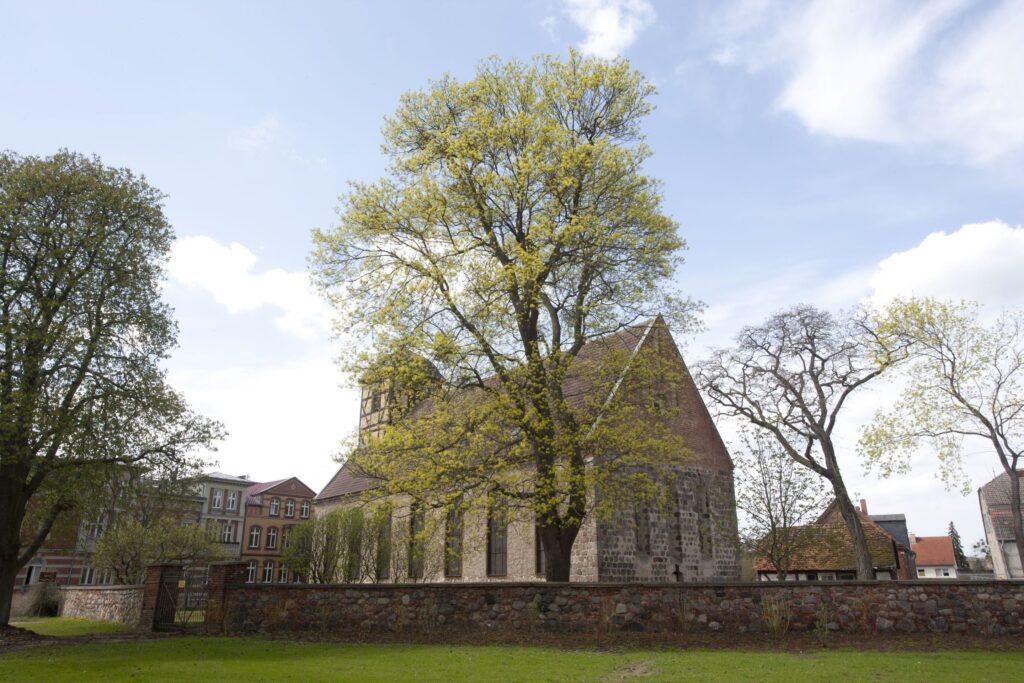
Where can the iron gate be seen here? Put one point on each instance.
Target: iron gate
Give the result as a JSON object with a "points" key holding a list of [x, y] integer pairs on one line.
{"points": [[181, 602]]}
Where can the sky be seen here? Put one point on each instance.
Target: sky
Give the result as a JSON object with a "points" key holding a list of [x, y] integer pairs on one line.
{"points": [[819, 152]]}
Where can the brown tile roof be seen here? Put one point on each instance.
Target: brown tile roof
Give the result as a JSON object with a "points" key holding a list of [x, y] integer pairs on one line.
{"points": [[997, 491], [346, 481], [575, 388], [934, 551], [826, 545], [1002, 523]]}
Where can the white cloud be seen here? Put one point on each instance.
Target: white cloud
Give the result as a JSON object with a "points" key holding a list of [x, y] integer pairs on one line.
{"points": [[611, 25], [227, 272], [284, 418], [943, 73], [980, 261], [259, 135]]}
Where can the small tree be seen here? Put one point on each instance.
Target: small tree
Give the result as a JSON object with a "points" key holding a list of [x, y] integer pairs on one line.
{"points": [[958, 548], [791, 376], [515, 226], [776, 495], [982, 551], [128, 546], [83, 337], [965, 384], [149, 519]]}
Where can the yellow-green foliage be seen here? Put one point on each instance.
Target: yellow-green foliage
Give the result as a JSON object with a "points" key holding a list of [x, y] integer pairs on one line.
{"points": [[514, 226], [963, 383]]}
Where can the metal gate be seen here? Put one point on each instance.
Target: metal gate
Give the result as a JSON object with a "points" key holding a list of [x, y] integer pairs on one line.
{"points": [[181, 602]]}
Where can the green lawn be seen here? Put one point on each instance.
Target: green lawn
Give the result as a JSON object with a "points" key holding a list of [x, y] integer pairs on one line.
{"points": [[254, 659], [62, 626]]}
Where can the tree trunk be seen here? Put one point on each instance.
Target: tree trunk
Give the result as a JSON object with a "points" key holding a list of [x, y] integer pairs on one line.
{"points": [[861, 555], [1015, 509], [12, 515], [8, 572], [558, 544]]}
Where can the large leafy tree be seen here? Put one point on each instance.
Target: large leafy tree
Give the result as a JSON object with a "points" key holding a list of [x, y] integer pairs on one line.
{"points": [[964, 386], [514, 226], [792, 377], [83, 333]]}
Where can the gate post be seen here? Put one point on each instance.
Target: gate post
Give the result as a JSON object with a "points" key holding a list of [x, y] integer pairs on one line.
{"points": [[154, 603], [221, 576]]}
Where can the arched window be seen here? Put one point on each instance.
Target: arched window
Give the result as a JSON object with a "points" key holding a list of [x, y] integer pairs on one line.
{"points": [[271, 538], [275, 507], [289, 508], [254, 537], [305, 509]]}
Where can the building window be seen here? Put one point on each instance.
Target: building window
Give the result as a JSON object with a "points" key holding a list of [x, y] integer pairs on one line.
{"points": [[250, 577], [945, 572], [254, 537], [289, 508], [88, 576], [271, 538], [920, 571], [286, 535], [268, 571], [497, 542], [227, 533], [811, 576], [416, 544], [282, 574], [218, 499], [275, 507], [232, 500], [453, 542], [540, 560], [375, 401], [305, 509], [847, 576]]}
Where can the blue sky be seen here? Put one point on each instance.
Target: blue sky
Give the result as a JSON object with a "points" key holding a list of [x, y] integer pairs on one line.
{"points": [[821, 152]]}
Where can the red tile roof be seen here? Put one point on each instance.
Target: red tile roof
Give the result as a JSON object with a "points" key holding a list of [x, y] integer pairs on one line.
{"points": [[934, 551], [346, 481]]}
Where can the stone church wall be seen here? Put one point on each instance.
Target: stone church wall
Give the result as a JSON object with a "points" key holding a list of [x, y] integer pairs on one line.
{"points": [[692, 538]]}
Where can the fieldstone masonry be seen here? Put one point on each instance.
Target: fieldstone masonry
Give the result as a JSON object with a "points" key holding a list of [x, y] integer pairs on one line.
{"points": [[121, 604], [975, 607]]}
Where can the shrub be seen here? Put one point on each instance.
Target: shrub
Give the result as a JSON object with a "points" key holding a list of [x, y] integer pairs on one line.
{"points": [[775, 614]]}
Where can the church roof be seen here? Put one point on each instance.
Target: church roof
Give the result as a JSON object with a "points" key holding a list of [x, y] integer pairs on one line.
{"points": [[578, 389]]}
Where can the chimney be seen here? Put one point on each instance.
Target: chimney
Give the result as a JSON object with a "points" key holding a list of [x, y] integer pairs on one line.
{"points": [[863, 506], [913, 538]]}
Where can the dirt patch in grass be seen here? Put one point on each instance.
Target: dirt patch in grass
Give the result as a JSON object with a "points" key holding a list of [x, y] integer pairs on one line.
{"points": [[12, 636]]}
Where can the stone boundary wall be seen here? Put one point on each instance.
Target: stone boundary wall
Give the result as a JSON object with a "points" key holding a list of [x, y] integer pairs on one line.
{"points": [[973, 607], [121, 604]]}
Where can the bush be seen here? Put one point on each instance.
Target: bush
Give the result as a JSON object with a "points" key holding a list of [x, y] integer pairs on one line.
{"points": [[775, 614]]}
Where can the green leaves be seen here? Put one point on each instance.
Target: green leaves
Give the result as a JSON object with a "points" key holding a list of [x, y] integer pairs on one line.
{"points": [[515, 226]]}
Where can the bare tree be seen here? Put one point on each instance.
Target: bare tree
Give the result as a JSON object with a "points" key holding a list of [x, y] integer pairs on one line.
{"points": [[777, 496], [791, 376]]}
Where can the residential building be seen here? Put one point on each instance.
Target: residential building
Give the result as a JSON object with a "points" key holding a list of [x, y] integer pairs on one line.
{"points": [[934, 557], [994, 499], [221, 500], [271, 510], [823, 551], [691, 537]]}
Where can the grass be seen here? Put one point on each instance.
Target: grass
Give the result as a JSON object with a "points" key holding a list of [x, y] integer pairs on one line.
{"points": [[255, 659], [63, 626]]}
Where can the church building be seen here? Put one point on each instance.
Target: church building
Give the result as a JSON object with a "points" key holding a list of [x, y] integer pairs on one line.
{"points": [[690, 537]]}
